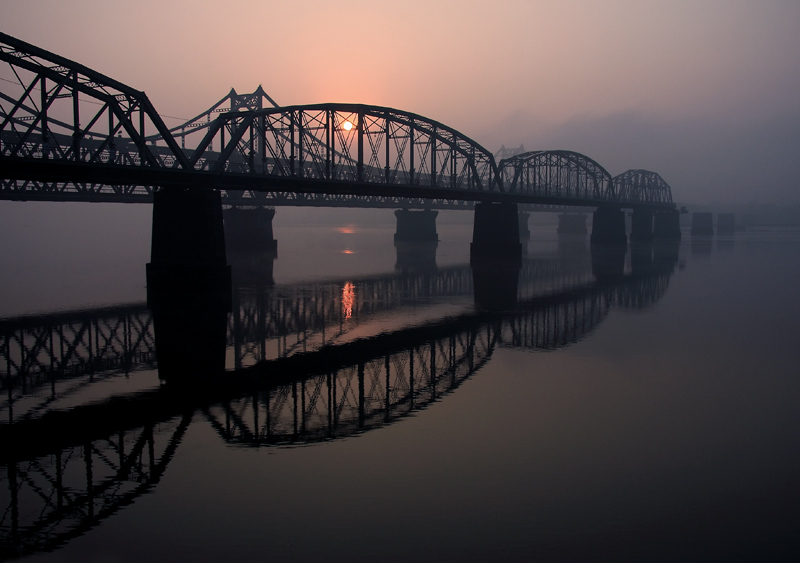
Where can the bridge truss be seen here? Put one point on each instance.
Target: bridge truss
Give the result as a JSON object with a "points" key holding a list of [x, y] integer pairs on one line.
{"points": [[70, 133], [642, 186]]}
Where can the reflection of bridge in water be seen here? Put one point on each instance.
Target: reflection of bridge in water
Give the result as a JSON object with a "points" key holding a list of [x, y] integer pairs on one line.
{"points": [[67, 468]]}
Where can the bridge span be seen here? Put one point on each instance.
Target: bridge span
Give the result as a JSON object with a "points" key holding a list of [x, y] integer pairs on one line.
{"points": [[68, 132]]}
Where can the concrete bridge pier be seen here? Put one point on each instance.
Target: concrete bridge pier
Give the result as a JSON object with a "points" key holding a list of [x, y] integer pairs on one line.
{"points": [[188, 283], [416, 226], [642, 225], [249, 230], [608, 226], [667, 225], [495, 255], [188, 242], [495, 231], [524, 231]]}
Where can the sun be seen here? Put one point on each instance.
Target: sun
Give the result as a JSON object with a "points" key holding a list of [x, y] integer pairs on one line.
{"points": [[347, 126]]}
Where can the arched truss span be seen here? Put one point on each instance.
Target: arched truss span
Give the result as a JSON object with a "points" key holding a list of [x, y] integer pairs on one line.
{"points": [[66, 111], [642, 186], [346, 143], [558, 173]]}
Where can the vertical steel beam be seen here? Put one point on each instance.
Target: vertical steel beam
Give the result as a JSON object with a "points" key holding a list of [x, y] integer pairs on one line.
{"points": [[328, 141], [360, 132], [433, 157], [76, 126], [387, 126], [411, 148]]}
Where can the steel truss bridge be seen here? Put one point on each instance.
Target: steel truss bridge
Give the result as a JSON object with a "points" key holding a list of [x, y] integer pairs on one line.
{"points": [[69, 133], [65, 471]]}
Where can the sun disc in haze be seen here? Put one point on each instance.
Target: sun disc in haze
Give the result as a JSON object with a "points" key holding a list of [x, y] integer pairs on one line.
{"points": [[347, 126]]}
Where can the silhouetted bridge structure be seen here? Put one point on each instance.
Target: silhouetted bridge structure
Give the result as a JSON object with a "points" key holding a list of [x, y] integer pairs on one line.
{"points": [[67, 470], [68, 133]]}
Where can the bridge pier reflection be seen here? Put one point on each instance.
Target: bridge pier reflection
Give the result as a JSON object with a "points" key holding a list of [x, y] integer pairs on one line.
{"points": [[416, 257], [642, 225], [608, 226], [188, 283], [190, 332], [608, 261]]}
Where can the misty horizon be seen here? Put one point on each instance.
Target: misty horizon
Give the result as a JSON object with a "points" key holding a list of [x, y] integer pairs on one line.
{"points": [[702, 93]]}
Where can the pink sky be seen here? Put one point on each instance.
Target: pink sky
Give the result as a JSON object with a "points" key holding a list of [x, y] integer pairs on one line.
{"points": [[704, 92]]}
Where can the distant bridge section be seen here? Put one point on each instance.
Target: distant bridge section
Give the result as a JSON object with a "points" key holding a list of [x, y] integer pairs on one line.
{"points": [[557, 175], [642, 186]]}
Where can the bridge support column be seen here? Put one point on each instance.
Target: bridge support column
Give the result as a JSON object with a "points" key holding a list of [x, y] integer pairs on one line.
{"points": [[188, 283], [642, 225], [495, 232], [667, 225], [702, 224], [572, 224], [495, 255], [249, 230], [608, 226], [524, 231], [188, 241], [416, 226]]}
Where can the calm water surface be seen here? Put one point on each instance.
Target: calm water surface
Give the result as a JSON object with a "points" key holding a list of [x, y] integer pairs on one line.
{"points": [[641, 412]]}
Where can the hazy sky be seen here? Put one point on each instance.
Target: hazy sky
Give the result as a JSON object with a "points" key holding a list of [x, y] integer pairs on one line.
{"points": [[705, 92]]}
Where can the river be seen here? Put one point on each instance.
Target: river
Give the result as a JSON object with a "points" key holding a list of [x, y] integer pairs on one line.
{"points": [[389, 411]]}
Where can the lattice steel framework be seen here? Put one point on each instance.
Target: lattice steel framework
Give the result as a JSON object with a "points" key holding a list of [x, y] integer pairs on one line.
{"points": [[71, 133], [67, 112], [558, 175], [345, 144], [50, 499], [65, 476], [83, 127], [642, 186]]}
